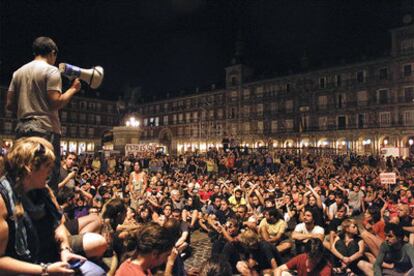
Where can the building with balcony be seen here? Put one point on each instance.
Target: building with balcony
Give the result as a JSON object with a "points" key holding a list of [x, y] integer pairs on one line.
{"points": [[84, 122], [360, 107]]}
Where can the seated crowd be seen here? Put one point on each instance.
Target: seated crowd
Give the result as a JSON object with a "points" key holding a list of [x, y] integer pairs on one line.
{"points": [[265, 213]]}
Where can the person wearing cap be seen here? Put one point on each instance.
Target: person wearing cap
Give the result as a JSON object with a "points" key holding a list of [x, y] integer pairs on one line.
{"points": [[35, 96]]}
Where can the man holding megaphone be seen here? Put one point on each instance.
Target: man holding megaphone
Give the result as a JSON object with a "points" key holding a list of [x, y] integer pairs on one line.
{"points": [[35, 95]]}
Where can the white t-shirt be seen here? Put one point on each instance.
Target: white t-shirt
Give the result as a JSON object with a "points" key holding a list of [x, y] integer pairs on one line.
{"points": [[333, 208], [301, 228]]}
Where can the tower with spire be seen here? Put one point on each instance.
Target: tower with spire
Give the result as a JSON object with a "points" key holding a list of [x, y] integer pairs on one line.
{"points": [[237, 72]]}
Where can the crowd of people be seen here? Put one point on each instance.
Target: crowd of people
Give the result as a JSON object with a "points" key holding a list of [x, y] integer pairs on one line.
{"points": [[265, 213]]}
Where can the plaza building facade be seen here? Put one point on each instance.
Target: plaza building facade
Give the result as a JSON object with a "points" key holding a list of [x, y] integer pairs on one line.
{"points": [[360, 107], [84, 121]]}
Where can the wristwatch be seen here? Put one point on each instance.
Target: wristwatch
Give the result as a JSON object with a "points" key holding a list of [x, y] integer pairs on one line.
{"points": [[44, 269]]}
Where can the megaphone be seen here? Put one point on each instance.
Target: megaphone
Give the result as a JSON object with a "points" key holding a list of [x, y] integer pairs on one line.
{"points": [[93, 76]]}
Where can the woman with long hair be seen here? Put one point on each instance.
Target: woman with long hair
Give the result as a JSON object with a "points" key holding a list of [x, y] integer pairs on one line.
{"points": [[33, 238], [137, 185], [348, 248]]}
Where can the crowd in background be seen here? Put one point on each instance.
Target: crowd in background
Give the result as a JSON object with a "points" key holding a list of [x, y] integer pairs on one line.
{"points": [[264, 212]]}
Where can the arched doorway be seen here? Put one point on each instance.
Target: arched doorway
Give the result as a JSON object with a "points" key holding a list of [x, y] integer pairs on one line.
{"points": [[408, 142], [342, 145], [165, 138], [289, 143]]}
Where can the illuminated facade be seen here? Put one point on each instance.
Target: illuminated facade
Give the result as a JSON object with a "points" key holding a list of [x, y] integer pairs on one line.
{"points": [[84, 121], [360, 107]]}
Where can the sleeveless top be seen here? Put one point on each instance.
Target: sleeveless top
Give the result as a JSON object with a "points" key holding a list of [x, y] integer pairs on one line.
{"points": [[137, 182], [31, 237]]}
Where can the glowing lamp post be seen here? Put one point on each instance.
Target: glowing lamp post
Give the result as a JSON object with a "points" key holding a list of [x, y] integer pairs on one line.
{"points": [[132, 122]]}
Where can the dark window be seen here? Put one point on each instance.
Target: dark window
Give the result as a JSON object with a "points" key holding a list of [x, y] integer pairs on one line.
{"points": [[341, 122], [409, 94], [322, 83], [339, 103], [407, 70], [383, 96], [361, 120], [338, 80], [360, 76], [287, 87], [233, 81], [383, 74]]}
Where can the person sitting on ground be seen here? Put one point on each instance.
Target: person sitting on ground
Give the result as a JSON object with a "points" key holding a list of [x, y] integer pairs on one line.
{"points": [[153, 247], [372, 230], [215, 266], [68, 171], [272, 229], [31, 226], [339, 201], [254, 200], [356, 200], [225, 233], [312, 200], [183, 241], [335, 226], [306, 230], [395, 257], [405, 221], [251, 255], [237, 199], [311, 263], [190, 212], [348, 248]]}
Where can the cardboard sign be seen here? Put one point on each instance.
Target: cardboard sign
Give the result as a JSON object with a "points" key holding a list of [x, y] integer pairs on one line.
{"points": [[390, 151], [388, 178], [139, 148]]}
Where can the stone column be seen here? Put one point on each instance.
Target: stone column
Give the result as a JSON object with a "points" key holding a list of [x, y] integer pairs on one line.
{"points": [[125, 135]]}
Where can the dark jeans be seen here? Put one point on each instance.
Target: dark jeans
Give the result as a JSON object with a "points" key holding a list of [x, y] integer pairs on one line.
{"points": [[54, 139]]}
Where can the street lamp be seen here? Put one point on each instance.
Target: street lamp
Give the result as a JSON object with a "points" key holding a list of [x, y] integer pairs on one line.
{"points": [[366, 142], [410, 141], [132, 122]]}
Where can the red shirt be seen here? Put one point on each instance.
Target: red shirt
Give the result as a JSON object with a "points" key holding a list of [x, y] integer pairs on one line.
{"points": [[299, 263], [379, 229], [205, 195], [128, 268]]}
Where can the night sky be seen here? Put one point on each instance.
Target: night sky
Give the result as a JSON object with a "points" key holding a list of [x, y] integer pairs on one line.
{"points": [[166, 46]]}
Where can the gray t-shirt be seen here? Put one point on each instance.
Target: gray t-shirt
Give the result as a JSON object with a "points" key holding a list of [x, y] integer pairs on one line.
{"points": [[30, 84], [355, 200]]}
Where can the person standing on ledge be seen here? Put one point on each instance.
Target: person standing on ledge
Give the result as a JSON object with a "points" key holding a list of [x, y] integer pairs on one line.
{"points": [[35, 96]]}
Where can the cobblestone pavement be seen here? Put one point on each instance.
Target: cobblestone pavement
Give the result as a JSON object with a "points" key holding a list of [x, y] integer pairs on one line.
{"points": [[201, 247]]}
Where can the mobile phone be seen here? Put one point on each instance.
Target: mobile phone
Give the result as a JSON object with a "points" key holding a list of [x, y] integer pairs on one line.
{"points": [[75, 264]]}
